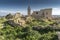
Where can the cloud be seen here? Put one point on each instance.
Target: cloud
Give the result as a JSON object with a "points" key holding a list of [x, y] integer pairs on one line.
{"points": [[8, 11], [56, 11], [5, 12]]}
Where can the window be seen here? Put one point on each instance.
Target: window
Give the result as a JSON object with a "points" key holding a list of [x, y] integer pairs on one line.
{"points": [[43, 13], [36, 12], [47, 17], [46, 13]]}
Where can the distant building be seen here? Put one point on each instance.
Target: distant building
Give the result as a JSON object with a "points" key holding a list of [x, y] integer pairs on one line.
{"points": [[43, 13]]}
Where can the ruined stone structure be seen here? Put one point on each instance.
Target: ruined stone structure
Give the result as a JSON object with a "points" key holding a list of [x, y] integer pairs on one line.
{"points": [[17, 15], [43, 13], [18, 19], [29, 9]]}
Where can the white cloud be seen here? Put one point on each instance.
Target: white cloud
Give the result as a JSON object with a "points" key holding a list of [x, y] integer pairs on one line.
{"points": [[5, 12], [56, 11], [8, 11]]}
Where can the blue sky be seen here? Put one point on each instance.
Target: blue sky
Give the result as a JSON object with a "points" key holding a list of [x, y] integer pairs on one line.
{"points": [[13, 6]]}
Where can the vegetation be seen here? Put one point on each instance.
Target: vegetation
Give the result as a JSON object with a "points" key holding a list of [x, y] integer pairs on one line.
{"points": [[34, 30]]}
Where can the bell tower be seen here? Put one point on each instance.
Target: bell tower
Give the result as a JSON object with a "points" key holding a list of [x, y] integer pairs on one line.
{"points": [[29, 9]]}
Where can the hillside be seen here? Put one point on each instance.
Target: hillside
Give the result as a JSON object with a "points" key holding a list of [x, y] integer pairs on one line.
{"points": [[34, 30]]}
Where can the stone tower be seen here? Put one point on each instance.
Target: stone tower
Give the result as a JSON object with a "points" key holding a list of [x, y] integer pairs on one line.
{"points": [[29, 9]]}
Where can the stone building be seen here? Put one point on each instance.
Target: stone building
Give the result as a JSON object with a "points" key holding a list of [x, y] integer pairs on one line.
{"points": [[43, 13]]}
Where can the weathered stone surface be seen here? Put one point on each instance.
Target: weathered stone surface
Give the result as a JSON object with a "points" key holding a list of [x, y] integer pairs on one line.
{"points": [[43, 13]]}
